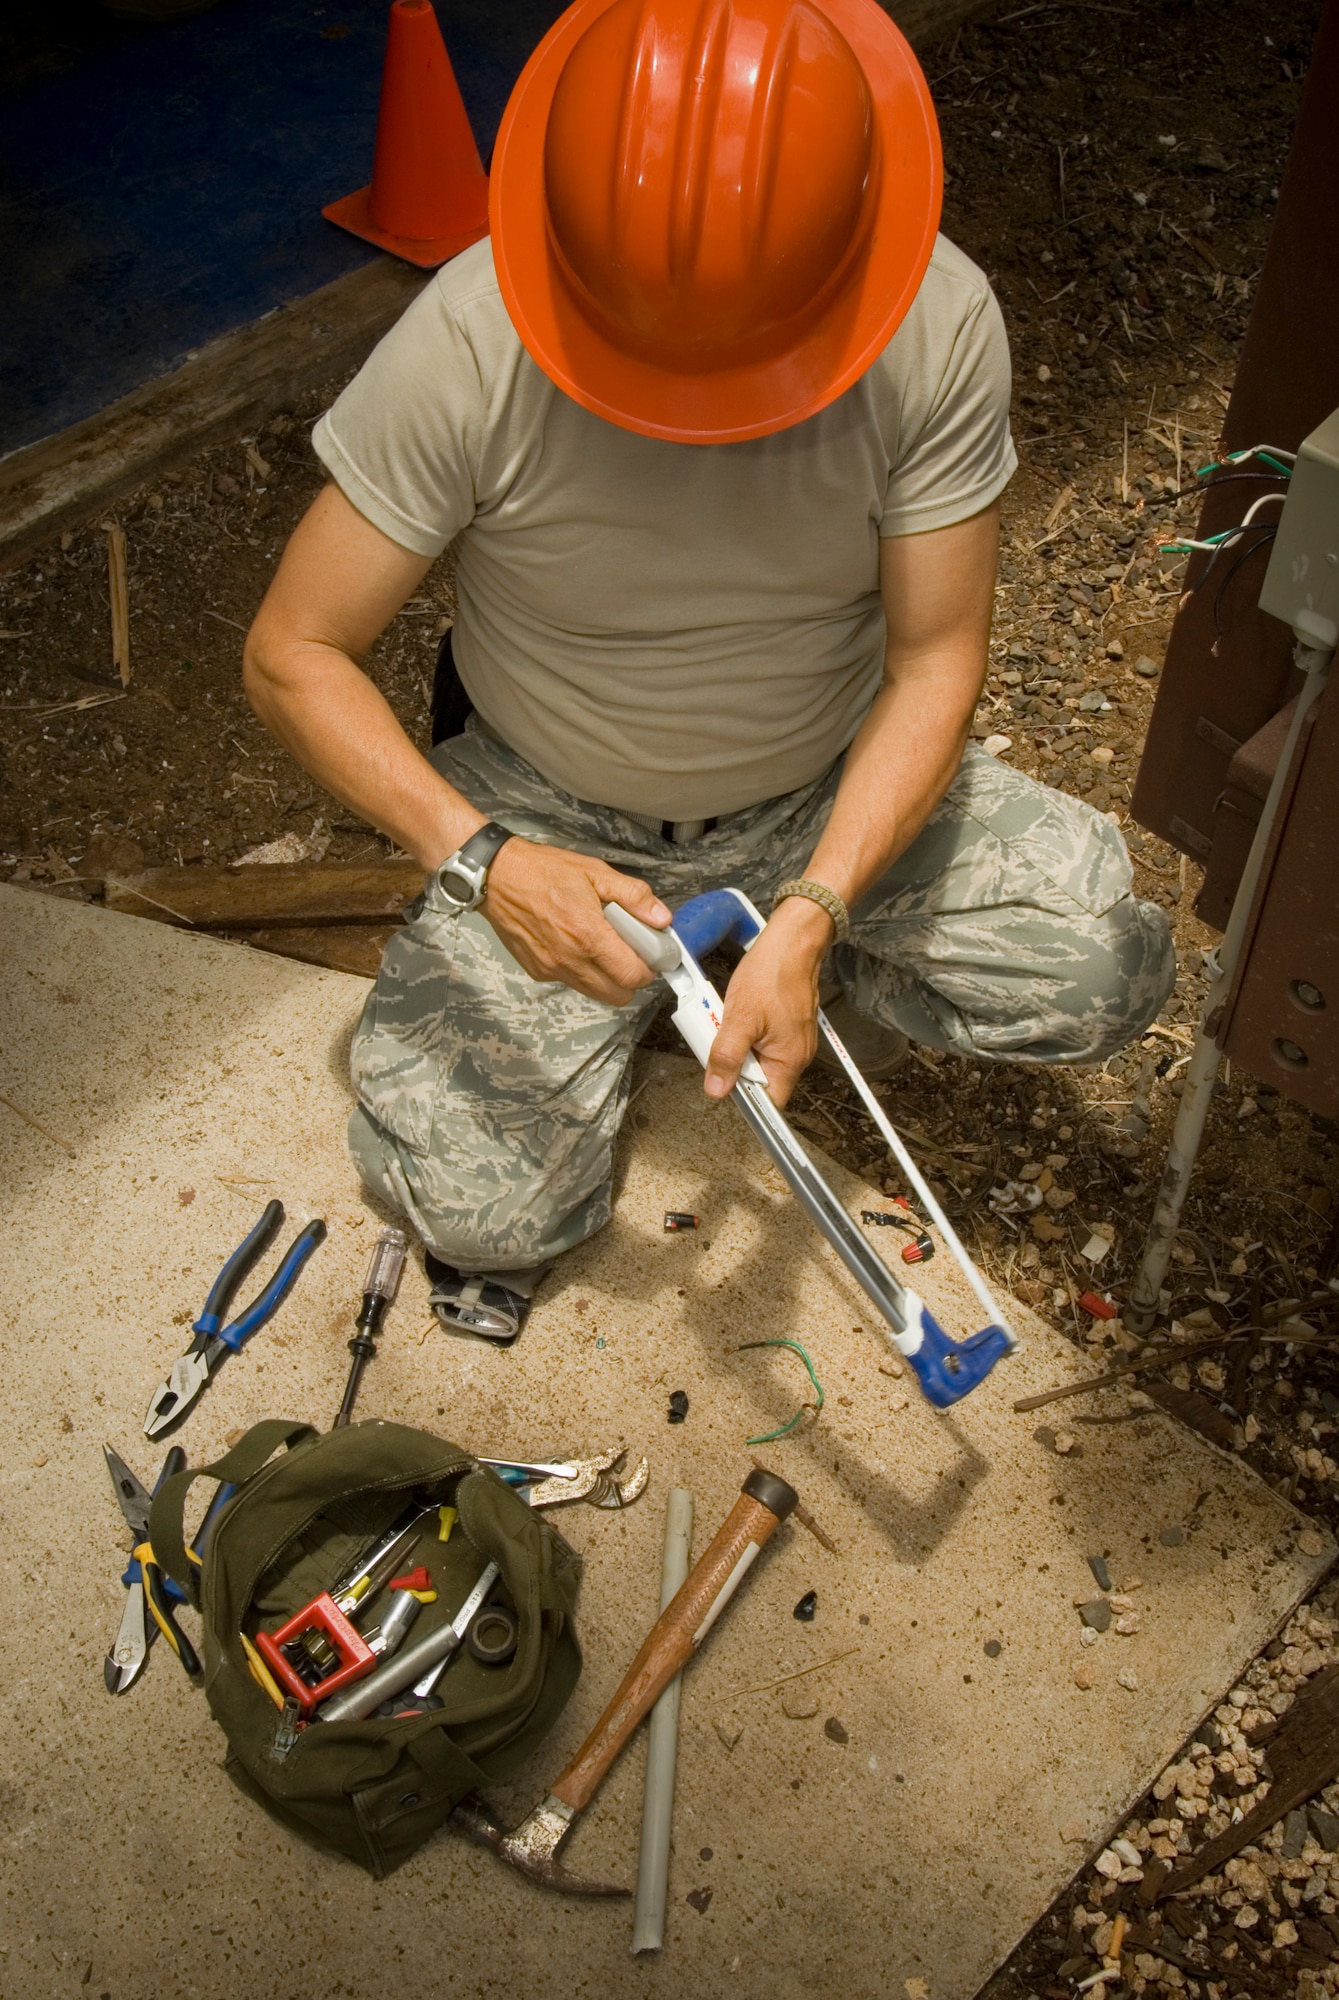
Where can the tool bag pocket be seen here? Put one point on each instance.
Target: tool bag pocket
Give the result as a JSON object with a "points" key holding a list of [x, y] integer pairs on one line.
{"points": [[372, 1790]]}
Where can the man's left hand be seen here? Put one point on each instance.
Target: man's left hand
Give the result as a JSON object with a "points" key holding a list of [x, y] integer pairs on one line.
{"points": [[771, 1004]]}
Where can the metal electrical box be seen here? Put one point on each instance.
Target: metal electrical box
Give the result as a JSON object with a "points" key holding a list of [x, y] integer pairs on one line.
{"points": [[1301, 584]]}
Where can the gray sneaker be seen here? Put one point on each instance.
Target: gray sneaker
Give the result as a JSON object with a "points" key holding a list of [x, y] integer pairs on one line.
{"points": [[876, 1051]]}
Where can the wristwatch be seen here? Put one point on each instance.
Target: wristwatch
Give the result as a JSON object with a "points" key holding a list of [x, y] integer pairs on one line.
{"points": [[462, 879]]}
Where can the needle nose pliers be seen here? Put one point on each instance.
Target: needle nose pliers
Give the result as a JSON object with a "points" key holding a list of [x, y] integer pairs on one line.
{"points": [[214, 1341]]}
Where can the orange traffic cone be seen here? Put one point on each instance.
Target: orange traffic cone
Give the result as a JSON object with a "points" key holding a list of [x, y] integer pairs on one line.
{"points": [[429, 193]]}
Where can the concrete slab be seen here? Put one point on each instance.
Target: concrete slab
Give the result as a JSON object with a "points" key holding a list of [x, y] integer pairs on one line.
{"points": [[191, 1080]]}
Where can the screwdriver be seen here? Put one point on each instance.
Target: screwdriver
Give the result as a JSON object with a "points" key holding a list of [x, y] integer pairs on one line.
{"points": [[383, 1275]]}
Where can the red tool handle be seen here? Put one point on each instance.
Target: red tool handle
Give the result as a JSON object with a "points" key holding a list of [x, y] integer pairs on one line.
{"points": [[356, 1656], [680, 1629]]}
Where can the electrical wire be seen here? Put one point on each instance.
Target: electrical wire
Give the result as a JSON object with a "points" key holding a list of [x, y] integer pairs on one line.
{"points": [[1267, 534], [1270, 453]]}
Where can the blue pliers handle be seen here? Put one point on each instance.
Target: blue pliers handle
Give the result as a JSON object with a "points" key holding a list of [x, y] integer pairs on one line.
{"points": [[268, 1302], [210, 1323]]}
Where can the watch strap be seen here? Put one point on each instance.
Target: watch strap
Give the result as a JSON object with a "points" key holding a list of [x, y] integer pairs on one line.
{"points": [[481, 847]]}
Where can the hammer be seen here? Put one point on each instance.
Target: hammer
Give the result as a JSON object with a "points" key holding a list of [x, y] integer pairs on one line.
{"points": [[763, 1504]]}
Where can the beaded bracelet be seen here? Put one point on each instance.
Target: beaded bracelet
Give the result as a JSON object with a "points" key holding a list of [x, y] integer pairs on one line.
{"points": [[827, 899]]}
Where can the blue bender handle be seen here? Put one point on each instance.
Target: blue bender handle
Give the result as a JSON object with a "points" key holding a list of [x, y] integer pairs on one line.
{"points": [[714, 918], [274, 1294], [947, 1369], [236, 1268]]}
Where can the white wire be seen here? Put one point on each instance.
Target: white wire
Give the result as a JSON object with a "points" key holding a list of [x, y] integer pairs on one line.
{"points": [[1275, 451], [1256, 505]]}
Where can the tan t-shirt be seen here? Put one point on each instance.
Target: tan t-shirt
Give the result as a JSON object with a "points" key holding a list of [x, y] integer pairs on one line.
{"points": [[676, 630]]}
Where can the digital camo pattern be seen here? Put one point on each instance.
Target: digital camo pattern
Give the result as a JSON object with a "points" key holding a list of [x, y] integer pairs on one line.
{"points": [[489, 1103]]}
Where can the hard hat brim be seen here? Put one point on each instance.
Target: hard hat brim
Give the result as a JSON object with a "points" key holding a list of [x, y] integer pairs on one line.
{"points": [[752, 398]]}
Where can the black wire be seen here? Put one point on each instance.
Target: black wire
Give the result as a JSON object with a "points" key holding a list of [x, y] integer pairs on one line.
{"points": [[1230, 573], [1186, 491], [1266, 528]]}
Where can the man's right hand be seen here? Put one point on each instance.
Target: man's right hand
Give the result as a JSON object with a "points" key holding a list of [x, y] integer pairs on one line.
{"points": [[545, 905]]}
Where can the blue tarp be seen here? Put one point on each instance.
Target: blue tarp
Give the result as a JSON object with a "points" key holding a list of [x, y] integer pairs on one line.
{"points": [[169, 188]]}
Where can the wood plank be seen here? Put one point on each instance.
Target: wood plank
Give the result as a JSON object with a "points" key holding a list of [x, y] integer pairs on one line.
{"points": [[342, 947], [221, 389], [269, 897]]}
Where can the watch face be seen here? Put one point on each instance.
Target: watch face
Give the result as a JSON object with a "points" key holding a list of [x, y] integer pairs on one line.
{"points": [[458, 885]]}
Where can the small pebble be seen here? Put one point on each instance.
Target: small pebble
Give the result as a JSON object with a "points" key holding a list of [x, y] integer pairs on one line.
{"points": [[1147, 667], [704, 1853], [1128, 1679], [1108, 1863], [699, 1898], [1310, 1543], [798, 1705], [729, 1731], [1128, 1625], [806, 1607], [995, 746], [678, 1406], [835, 1731], [1087, 1636], [1065, 1442], [891, 1366], [1096, 1613], [1083, 1675], [1101, 1574], [993, 1649], [1325, 1826]]}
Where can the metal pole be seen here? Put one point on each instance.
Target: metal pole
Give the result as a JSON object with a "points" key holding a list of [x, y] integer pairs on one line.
{"points": [[1197, 1091], [648, 1914]]}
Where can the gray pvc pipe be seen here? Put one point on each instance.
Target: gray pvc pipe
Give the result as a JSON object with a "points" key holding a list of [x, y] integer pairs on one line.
{"points": [[648, 1911]]}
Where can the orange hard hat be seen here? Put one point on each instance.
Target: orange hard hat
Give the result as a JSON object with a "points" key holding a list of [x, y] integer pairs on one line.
{"points": [[709, 216]]}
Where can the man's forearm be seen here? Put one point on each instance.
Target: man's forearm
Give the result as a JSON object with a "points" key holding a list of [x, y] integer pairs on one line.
{"points": [[326, 711], [897, 770]]}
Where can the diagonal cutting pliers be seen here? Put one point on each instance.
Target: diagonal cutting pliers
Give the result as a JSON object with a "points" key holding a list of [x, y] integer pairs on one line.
{"points": [[214, 1340], [152, 1598]]}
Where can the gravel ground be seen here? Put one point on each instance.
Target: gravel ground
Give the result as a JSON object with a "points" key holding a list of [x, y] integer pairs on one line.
{"points": [[1114, 169]]}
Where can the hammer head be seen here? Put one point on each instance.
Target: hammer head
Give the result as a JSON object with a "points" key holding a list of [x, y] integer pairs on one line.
{"points": [[532, 1846]]}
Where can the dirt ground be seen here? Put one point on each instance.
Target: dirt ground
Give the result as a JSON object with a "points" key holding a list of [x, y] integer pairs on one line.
{"points": [[1113, 168]]}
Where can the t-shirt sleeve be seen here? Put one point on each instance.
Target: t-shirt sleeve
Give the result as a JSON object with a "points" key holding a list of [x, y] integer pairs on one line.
{"points": [[960, 455], [402, 441]]}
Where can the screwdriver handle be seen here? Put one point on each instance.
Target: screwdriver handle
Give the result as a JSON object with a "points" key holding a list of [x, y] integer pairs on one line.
{"points": [[680, 1629]]}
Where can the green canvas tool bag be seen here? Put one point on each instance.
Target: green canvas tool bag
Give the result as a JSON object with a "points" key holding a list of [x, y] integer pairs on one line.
{"points": [[372, 1790]]}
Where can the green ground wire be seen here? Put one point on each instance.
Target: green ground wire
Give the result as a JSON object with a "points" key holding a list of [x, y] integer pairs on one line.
{"points": [[768, 1437]]}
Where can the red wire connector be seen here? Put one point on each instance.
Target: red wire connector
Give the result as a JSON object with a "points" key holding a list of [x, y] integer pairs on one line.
{"points": [[1099, 1308], [416, 1579], [919, 1252]]}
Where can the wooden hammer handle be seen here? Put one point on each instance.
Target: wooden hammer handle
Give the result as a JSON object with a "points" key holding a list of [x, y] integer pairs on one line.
{"points": [[676, 1634]]}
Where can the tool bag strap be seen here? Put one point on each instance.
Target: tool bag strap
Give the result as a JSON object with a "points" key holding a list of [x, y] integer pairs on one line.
{"points": [[167, 1530]]}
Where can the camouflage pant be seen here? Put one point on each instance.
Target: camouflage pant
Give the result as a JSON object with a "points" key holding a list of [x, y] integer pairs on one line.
{"points": [[490, 1102]]}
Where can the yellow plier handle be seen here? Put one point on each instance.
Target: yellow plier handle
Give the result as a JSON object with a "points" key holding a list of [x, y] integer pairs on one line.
{"points": [[162, 1612]]}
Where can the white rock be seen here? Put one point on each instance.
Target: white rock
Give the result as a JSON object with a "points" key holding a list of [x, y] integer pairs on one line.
{"points": [[1128, 1678], [1108, 1863], [1127, 1851], [996, 746]]}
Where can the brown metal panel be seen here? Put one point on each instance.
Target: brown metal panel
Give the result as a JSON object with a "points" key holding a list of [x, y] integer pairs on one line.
{"points": [[1287, 381], [1286, 1003]]}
